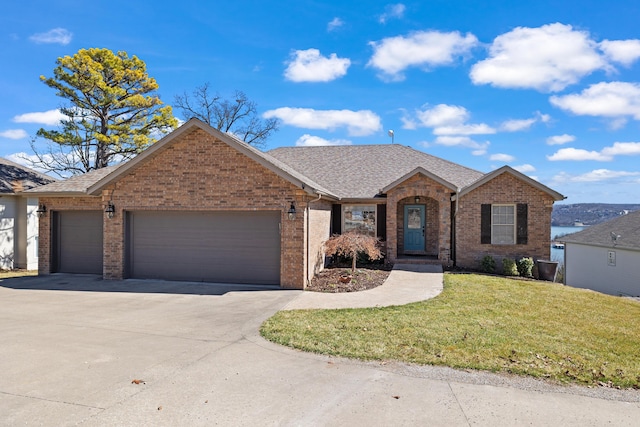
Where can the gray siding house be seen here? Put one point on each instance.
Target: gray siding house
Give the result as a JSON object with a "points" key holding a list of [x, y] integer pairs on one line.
{"points": [[605, 257]]}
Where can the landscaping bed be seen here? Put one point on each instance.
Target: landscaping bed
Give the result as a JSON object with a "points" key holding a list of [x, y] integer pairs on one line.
{"points": [[336, 278]]}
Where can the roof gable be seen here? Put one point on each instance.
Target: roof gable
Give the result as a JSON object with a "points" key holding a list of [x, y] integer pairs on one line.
{"points": [[622, 232], [506, 169], [264, 159]]}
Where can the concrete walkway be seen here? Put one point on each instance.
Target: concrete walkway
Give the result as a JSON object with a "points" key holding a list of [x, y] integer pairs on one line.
{"points": [[407, 283]]}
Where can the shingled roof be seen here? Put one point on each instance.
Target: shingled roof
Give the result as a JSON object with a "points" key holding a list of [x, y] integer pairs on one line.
{"points": [[622, 232], [362, 171], [76, 185], [16, 178]]}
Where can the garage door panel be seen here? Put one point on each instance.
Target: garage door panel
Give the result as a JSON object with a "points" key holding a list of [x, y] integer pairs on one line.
{"points": [[233, 247], [78, 242]]}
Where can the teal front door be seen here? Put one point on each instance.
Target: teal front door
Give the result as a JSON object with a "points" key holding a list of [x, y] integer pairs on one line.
{"points": [[414, 224]]}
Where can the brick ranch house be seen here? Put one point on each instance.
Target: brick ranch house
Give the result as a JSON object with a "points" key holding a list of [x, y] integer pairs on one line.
{"points": [[201, 205]]}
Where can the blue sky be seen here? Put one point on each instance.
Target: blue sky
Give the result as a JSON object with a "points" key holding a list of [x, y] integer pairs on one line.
{"points": [[550, 88]]}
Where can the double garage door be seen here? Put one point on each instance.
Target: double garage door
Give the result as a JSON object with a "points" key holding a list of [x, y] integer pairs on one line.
{"points": [[223, 247]]}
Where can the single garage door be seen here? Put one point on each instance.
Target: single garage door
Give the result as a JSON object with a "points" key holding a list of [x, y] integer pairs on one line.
{"points": [[223, 247], [77, 242]]}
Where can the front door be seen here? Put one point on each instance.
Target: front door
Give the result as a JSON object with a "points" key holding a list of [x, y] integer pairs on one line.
{"points": [[414, 224]]}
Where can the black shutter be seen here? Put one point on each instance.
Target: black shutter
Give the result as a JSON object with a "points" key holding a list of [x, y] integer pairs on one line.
{"points": [[521, 224], [336, 219], [485, 224], [382, 222]]}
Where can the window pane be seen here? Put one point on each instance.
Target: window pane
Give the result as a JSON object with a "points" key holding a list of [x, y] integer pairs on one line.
{"points": [[503, 224], [360, 218]]}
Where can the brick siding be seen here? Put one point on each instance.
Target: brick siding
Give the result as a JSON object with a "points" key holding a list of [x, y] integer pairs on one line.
{"points": [[195, 172], [508, 190], [436, 197]]}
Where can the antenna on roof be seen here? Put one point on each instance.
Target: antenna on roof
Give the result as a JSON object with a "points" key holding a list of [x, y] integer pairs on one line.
{"points": [[390, 133]]}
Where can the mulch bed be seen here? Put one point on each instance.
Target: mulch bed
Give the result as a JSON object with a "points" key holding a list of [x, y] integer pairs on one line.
{"points": [[368, 277]]}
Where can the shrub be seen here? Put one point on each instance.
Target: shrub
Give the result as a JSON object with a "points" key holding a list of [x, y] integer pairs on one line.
{"points": [[509, 267], [488, 264], [350, 244], [525, 267]]}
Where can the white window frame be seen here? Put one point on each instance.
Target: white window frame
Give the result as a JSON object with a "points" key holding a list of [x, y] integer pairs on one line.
{"points": [[494, 239], [363, 205]]}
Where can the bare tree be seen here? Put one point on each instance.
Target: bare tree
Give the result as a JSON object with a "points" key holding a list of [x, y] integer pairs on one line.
{"points": [[237, 116]]}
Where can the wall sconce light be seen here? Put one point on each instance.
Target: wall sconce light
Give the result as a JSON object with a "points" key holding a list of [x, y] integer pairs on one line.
{"points": [[291, 213], [417, 199], [41, 211], [110, 210]]}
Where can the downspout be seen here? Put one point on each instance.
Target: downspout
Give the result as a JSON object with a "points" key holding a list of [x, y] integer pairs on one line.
{"points": [[308, 215], [454, 226]]}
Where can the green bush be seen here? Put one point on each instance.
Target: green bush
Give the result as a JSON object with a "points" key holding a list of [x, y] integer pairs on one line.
{"points": [[488, 264], [525, 267], [509, 267]]}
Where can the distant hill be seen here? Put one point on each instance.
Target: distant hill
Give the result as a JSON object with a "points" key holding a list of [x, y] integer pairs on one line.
{"points": [[588, 213]]}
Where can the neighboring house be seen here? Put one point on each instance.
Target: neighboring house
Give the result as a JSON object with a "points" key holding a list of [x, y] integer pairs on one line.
{"points": [[18, 218], [605, 257], [202, 205]]}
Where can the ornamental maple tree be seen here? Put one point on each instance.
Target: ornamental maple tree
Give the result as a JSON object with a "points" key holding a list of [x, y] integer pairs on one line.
{"points": [[350, 244], [112, 112]]}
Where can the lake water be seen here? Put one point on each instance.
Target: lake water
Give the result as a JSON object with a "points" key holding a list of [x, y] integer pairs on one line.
{"points": [[556, 233]]}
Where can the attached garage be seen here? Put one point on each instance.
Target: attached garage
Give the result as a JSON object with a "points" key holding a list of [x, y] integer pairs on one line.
{"points": [[77, 242], [223, 246]]}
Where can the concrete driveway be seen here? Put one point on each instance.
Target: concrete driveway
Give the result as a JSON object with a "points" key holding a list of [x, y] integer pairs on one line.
{"points": [[70, 347]]}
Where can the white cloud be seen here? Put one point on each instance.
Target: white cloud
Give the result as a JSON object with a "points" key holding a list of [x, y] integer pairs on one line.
{"points": [[547, 58], [14, 134], [358, 123], [307, 140], [480, 148], [560, 139], [622, 149], [607, 99], [525, 168], [578, 154], [334, 24], [626, 52], [605, 155], [465, 129], [500, 157], [57, 35], [517, 125], [426, 49], [51, 117], [596, 175], [447, 120], [310, 66], [392, 11]]}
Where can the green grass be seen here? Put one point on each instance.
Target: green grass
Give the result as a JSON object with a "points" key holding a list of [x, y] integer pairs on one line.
{"points": [[8, 274], [489, 323]]}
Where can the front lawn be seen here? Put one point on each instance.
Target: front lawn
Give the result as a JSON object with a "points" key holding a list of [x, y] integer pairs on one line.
{"points": [[540, 329]]}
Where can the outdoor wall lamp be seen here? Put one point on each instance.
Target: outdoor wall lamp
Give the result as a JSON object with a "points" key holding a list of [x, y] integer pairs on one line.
{"points": [[291, 213], [417, 199], [41, 211], [110, 210]]}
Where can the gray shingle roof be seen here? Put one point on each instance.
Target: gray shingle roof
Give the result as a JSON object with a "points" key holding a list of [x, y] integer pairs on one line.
{"points": [[626, 226], [15, 177], [75, 184], [361, 171]]}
